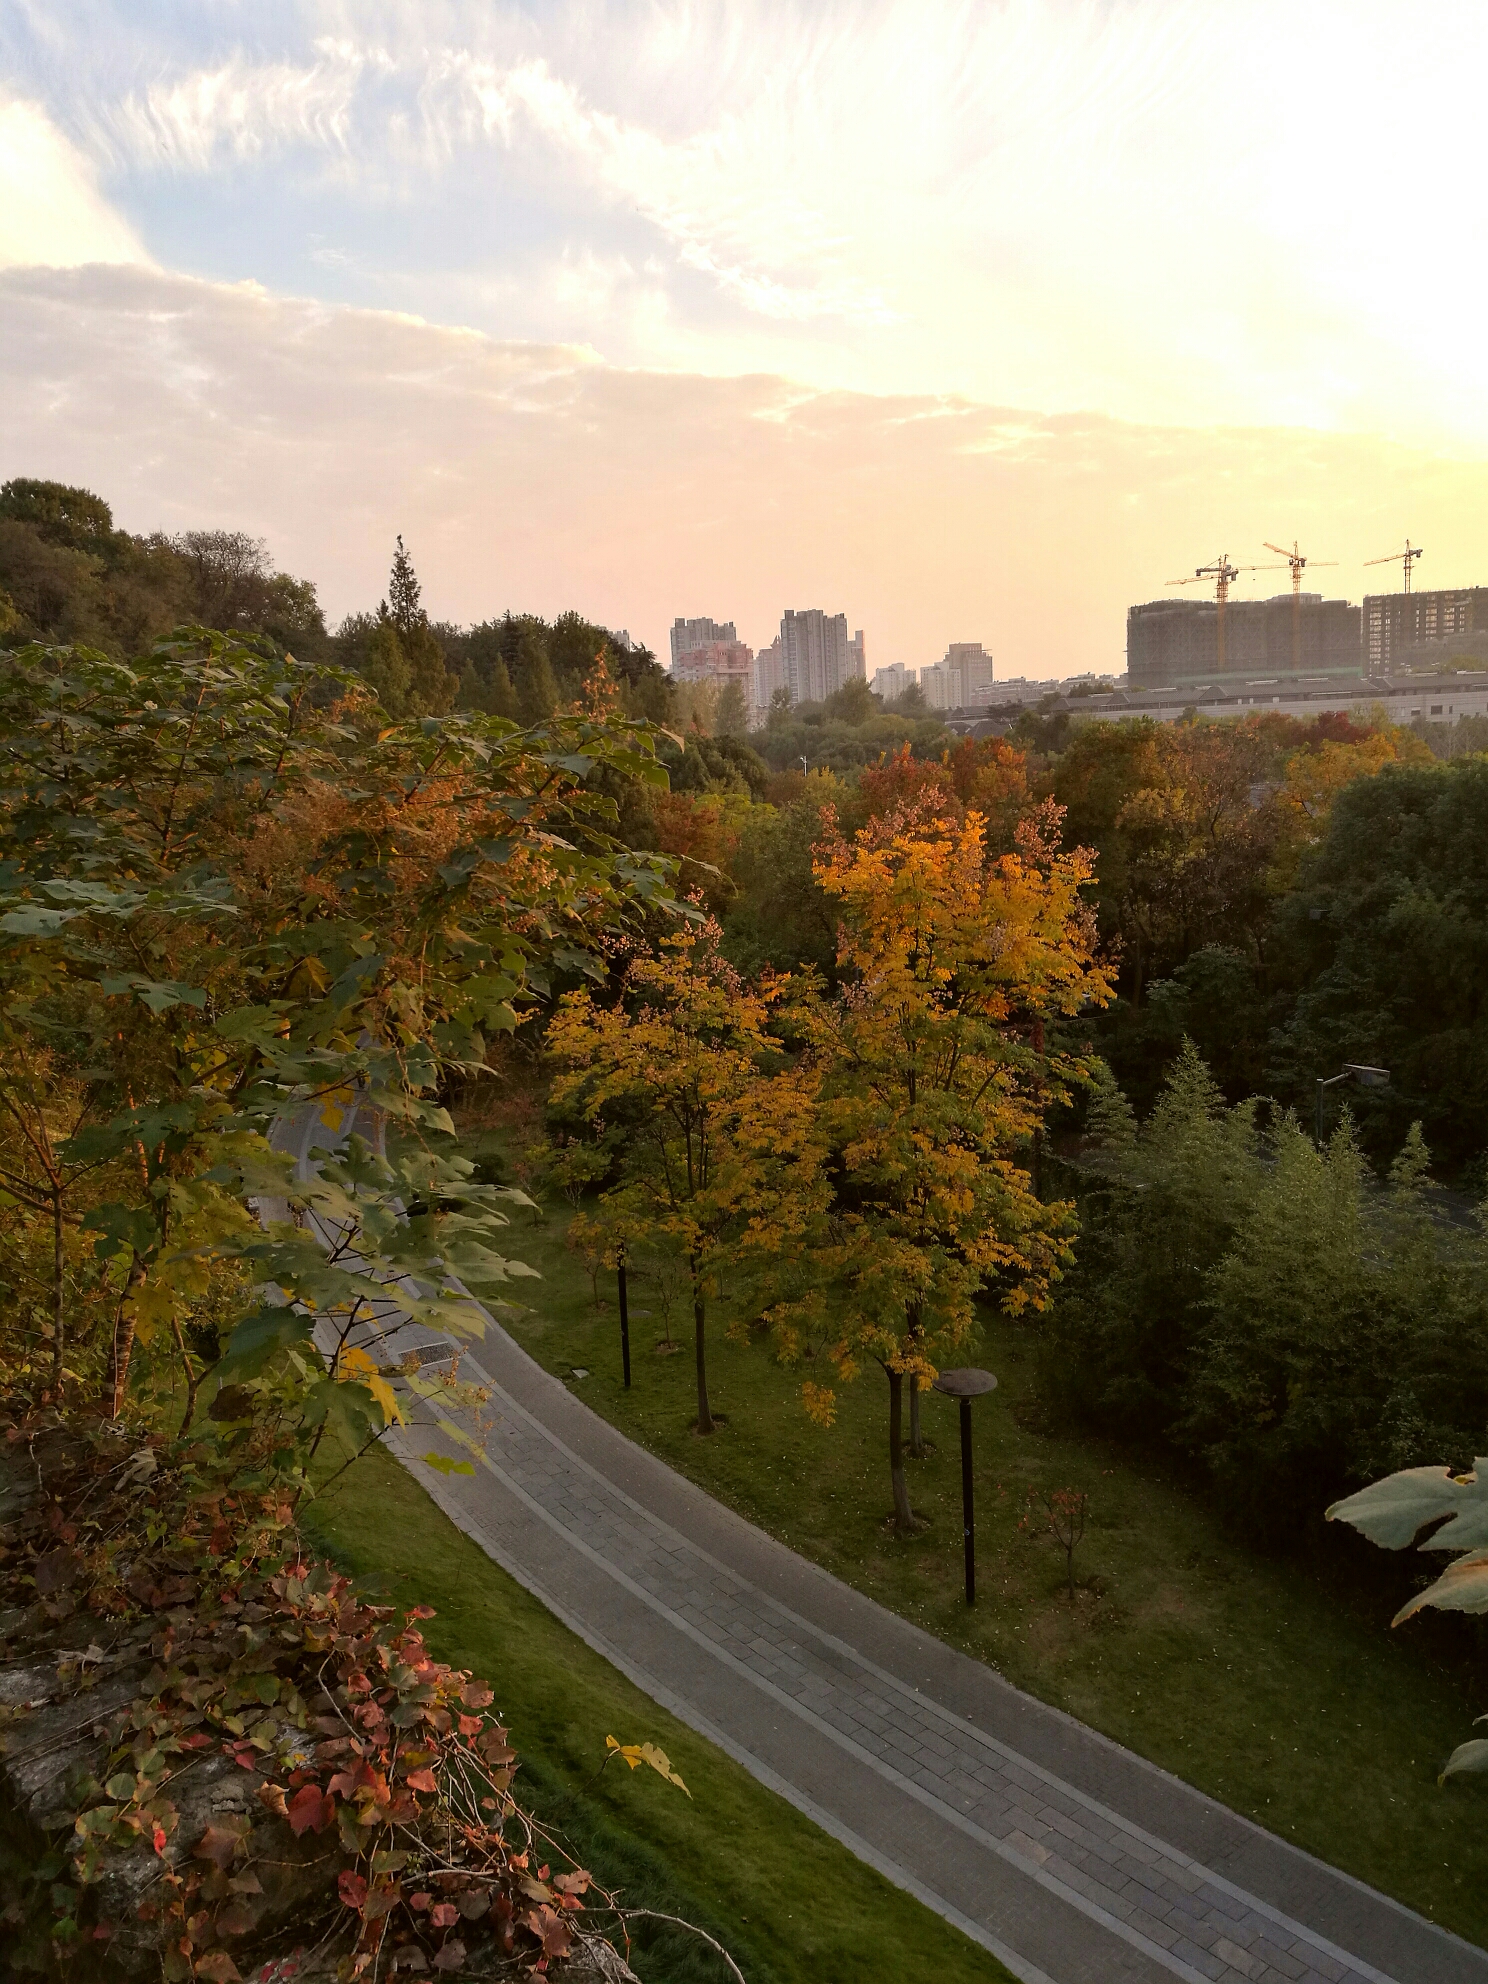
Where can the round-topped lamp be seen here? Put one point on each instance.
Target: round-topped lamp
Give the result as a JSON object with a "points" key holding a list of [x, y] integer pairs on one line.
{"points": [[964, 1386]]}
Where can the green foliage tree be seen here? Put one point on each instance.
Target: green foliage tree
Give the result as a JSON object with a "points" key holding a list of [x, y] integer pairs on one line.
{"points": [[58, 512], [731, 714], [1384, 948], [854, 702], [430, 689], [1265, 1306], [225, 899]]}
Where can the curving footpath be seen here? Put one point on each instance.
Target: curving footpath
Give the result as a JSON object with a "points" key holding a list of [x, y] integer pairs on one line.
{"points": [[1069, 1858]]}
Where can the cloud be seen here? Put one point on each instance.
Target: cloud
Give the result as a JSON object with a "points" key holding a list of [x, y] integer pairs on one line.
{"points": [[775, 254], [1057, 202], [51, 211], [536, 476], [239, 109]]}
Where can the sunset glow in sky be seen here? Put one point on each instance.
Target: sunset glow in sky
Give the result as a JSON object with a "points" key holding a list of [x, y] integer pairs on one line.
{"points": [[976, 322]]}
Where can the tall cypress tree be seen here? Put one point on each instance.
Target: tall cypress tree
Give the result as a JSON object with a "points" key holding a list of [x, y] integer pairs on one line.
{"points": [[405, 594], [431, 687]]}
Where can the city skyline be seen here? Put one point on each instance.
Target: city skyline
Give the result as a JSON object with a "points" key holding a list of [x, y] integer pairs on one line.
{"points": [[601, 306]]}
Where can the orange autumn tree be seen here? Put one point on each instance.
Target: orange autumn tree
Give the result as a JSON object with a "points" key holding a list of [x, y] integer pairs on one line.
{"points": [[935, 1075], [715, 1129]]}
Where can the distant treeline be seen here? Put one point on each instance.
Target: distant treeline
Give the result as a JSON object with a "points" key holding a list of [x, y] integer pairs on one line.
{"points": [[68, 574]]}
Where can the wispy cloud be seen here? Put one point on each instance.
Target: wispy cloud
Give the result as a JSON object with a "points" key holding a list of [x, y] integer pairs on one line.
{"points": [[239, 109]]}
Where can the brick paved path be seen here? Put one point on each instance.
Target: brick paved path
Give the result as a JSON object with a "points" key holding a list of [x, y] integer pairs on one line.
{"points": [[1074, 1861]]}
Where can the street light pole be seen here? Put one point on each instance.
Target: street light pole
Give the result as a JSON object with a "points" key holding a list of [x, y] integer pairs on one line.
{"points": [[964, 1386], [1353, 1071], [624, 1318]]}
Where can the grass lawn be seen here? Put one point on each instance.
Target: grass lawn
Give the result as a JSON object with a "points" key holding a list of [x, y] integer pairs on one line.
{"points": [[791, 1905], [1278, 1692]]}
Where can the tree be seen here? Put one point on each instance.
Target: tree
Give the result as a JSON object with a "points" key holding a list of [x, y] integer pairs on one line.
{"points": [[1384, 948], [731, 714], [430, 687], [716, 1130], [231, 583], [1120, 1339], [225, 895], [854, 702], [385, 668], [72, 576], [936, 1067], [59, 512], [537, 687]]}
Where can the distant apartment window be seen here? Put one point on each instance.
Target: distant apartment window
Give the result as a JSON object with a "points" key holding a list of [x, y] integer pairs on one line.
{"points": [[1436, 709]]}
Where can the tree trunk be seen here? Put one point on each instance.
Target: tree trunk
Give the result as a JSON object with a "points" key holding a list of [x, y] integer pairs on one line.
{"points": [[903, 1514], [59, 1293], [122, 1346], [705, 1417], [193, 1378], [916, 1438]]}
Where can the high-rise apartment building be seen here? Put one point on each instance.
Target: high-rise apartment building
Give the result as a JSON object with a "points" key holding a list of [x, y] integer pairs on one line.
{"points": [[720, 662], [814, 647], [857, 657], [936, 685], [1396, 621], [891, 682], [1174, 643], [769, 675], [969, 663], [690, 634]]}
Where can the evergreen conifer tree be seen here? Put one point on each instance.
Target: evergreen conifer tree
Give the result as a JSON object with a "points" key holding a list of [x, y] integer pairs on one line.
{"points": [[405, 594], [430, 687], [386, 668]]}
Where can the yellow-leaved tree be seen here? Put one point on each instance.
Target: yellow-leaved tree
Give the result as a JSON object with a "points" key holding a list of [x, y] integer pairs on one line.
{"points": [[714, 1127], [935, 1074]]}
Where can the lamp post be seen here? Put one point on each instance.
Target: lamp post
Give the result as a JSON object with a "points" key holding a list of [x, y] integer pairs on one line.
{"points": [[964, 1386], [624, 1317], [1353, 1071]]}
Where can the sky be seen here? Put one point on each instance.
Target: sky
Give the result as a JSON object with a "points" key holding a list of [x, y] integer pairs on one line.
{"points": [[972, 321]]}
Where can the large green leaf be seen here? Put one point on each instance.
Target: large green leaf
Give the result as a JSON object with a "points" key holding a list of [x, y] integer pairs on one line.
{"points": [[260, 1337], [120, 1228], [159, 994], [348, 1409], [1462, 1587], [1469, 1756], [1393, 1512]]}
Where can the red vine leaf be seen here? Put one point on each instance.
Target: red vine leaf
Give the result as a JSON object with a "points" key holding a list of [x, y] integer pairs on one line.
{"points": [[310, 1810]]}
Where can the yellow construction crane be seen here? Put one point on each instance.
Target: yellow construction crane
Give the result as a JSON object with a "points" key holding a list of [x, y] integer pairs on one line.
{"points": [[1222, 572], [1296, 560], [1407, 558]]}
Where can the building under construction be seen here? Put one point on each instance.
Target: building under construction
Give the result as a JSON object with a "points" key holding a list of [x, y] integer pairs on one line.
{"points": [[1174, 643], [1397, 622]]}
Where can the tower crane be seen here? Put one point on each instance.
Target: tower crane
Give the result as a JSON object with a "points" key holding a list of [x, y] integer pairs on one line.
{"points": [[1222, 572], [1297, 561], [1406, 558]]}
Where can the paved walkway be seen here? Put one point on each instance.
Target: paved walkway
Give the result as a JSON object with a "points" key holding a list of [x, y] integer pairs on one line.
{"points": [[1069, 1858]]}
